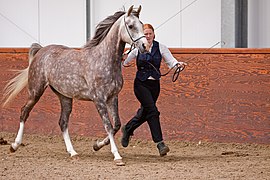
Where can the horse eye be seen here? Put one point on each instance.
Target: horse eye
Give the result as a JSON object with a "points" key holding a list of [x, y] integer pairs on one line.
{"points": [[130, 26]]}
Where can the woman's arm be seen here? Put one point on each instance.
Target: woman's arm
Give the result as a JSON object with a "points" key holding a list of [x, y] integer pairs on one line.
{"points": [[129, 57], [168, 57]]}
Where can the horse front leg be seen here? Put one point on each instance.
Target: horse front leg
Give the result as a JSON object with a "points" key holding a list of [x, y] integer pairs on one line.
{"points": [[112, 106], [113, 110], [103, 112]]}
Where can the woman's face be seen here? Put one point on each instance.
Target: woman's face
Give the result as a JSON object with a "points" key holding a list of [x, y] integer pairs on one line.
{"points": [[149, 34]]}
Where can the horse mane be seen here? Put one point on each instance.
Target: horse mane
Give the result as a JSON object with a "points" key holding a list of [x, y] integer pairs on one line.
{"points": [[103, 28]]}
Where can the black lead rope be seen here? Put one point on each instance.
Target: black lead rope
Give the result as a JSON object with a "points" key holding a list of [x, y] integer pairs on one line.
{"points": [[182, 67], [175, 74]]}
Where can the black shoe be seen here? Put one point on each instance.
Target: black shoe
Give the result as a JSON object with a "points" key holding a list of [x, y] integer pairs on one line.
{"points": [[163, 149], [125, 137]]}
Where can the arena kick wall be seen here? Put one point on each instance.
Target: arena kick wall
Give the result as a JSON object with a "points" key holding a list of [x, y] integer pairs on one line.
{"points": [[223, 95]]}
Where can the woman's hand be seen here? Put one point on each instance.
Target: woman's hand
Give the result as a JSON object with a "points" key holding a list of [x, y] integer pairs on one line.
{"points": [[181, 64], [124, 57]]}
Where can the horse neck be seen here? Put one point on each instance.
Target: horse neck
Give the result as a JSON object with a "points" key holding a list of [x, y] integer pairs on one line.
{"points": [[113, 40], [113, 44]]}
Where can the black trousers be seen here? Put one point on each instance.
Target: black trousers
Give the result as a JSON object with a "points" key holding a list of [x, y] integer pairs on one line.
{"points": [[147, 93]]}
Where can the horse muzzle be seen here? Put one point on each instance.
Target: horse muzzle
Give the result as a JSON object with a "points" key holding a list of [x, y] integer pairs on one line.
{"points": [[143, 47]]}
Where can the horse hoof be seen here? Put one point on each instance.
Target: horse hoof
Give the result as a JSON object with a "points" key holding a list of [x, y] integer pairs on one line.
{"points": [[95, 147], [12, 150], [75, 157], [119, 162]]}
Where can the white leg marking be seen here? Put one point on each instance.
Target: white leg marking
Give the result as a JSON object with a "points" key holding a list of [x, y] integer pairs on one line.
{"points": [[69, 146], [100, 144], [114, 148], [18, 140]]}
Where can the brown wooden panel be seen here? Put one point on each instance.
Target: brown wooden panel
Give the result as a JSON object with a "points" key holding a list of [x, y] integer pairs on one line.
{"points": [[223, 96]]}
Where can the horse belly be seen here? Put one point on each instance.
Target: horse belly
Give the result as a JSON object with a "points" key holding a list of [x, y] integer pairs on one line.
{"points": [[72, 86]]}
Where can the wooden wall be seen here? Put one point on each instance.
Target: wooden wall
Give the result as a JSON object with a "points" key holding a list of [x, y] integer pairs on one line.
{"points": [[223, 95]]}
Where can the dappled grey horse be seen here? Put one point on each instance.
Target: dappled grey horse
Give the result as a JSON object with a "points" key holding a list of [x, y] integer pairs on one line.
{"points": [[92, 73]]}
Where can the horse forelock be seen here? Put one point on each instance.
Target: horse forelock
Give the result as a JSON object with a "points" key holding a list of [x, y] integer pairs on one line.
{"points": [[135, 13], [103, 28]]}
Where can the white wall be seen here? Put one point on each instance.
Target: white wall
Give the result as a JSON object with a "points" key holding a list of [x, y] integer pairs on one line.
{"points": [[259, 24], [199, 25], [23, 22], [46, 22], [18, 23], [64, 21]]}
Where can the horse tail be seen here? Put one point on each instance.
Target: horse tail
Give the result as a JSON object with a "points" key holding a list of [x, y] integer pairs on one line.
{"points": [[16, 84]]}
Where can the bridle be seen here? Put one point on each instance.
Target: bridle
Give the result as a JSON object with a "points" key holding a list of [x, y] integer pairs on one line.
{"points": [[133, 41]]}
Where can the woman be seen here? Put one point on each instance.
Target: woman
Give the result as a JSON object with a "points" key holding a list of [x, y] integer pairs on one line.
{"points": [[147, 88]]}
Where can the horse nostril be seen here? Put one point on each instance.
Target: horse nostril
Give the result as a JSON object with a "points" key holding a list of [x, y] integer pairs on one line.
{"points": [[146, 47], [143, 46]]}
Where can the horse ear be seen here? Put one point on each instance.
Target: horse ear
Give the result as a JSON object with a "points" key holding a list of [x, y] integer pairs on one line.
{"points": [[130, 10], [139, 10]]}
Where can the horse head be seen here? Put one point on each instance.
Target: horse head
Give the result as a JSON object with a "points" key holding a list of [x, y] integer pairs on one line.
{"points": [[132, 30]]}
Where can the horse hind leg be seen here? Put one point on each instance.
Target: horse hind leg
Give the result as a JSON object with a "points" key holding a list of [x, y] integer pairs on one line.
{"points": [[33, 98], [66, 108], [100, 144]]}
